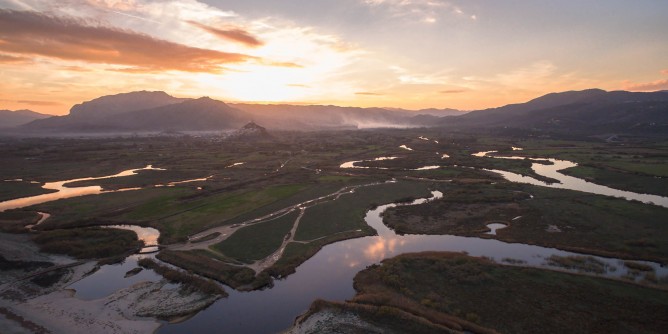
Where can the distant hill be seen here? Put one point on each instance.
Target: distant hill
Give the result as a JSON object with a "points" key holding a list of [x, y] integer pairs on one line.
{"points": [[198, 114], [592, 111], [144, 111], [110, 105], [251, 131], [9, 118], [440, 112], [158, 111], [583, 112]]}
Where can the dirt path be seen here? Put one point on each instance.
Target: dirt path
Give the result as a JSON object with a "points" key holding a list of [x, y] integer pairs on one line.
{"points": [[228, 230], [260, 265]]}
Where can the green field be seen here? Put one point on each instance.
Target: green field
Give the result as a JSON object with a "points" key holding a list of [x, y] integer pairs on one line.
{"points": [[258, 241], [455, 291], [347, 212], [587, 223]]}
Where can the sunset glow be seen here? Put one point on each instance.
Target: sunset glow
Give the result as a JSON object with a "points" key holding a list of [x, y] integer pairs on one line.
{"points": [[384, 53]]}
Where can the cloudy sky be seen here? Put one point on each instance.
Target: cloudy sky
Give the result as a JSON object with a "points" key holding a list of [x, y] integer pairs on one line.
{"points": [[413, 54]]}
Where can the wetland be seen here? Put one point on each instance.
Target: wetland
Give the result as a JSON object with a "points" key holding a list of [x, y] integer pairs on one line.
{"points": [[253, 235]]}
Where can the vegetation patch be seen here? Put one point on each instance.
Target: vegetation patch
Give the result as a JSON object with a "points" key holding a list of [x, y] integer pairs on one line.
{"points": [[464, 293], [189, 216], [18, 189], [88, 243], [15, 221], [255, 242], [202, 263], [595, 224], [638, 266], [581, 263], [466, 209], [347, 212], [178, 276]]}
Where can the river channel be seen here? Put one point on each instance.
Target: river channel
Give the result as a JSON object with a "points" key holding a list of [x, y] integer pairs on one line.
{"points": [[329, 274]]}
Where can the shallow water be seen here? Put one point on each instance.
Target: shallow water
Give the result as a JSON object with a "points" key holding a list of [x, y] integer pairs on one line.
{"points": [[569, 182], [111, 278], [329, 275], [62, 191], [495, 227], [148, 235]]}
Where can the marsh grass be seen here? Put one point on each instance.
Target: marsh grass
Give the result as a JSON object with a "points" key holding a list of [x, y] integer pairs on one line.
{"points": [[88, 243], [468, 291]]}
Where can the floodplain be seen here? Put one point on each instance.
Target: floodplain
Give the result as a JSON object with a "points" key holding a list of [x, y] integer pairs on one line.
{"points": [[242, 223]]}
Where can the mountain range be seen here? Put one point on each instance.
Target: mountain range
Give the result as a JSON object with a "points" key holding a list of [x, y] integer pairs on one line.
{"points": [[10, 119], [580, 112], [583, 112]]}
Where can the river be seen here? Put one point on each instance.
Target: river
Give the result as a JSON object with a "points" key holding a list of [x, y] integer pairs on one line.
{"points": [[329, 274], [62, 191], [552, 169]]}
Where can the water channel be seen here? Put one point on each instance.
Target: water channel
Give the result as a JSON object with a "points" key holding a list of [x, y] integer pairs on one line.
{"points": [[551, 170], [63, 191], [329, 274]]}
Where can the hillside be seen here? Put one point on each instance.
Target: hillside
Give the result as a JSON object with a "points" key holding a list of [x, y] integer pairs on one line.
{"points": [[9, 118], [110, 105], [129, 112], [198, 114], [583, 112]]}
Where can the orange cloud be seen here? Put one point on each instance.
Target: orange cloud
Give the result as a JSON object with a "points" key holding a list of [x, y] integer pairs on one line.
{"points": [[453, 91], [75, 68], [664, 72], [282, 64], [234, 34], [6, 59], [33, 34], [39, 103], [648, 86], [369, 93], [33, 102]]}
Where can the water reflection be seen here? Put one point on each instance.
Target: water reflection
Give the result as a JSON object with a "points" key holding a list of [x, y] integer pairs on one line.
{"points": [[573, 183], [111, 278], [353, 164], [329, 275], [148, 235], [62, 191], [494, 227]]}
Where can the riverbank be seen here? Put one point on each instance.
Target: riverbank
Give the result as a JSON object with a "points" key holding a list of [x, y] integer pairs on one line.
{"points": [[45, 302], [462, 292]]}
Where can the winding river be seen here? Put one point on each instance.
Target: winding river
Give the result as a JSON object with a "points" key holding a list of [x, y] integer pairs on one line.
{"points": [[552, 169], [329, 274], [62, 191]]}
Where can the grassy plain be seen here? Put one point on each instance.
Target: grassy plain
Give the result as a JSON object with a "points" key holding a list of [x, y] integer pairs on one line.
{"points": [[204, 263], [258, 241], [88, 243], [553, 218], [479, 296], [298, 166]]}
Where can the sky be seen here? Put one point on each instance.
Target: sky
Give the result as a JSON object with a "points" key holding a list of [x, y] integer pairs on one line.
{"points": [[412, 54]]}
